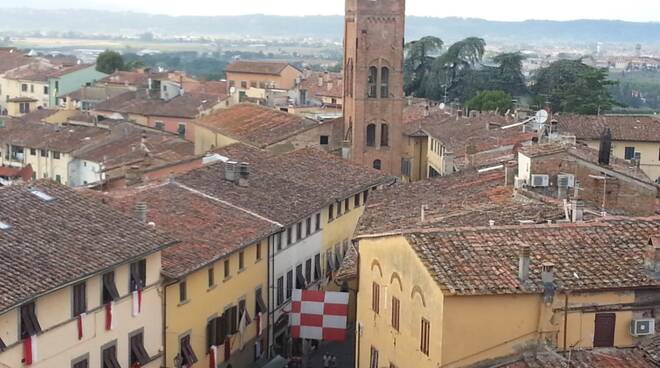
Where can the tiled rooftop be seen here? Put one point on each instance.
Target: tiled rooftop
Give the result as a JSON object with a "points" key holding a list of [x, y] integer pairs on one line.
{"points": [[256, 125], [256, 67], [187, 106], [11, 58], [288, 187], [50, 136], [331, 86], [606, 254], [37, 249], [465, 199], [208, 229], [624, 128], [599, 358]]}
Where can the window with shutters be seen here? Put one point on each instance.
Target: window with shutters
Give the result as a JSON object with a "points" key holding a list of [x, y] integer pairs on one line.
{"points": [[331, 212], [425, 335], [371, 135], [604, 328], [79, 299], [231, 320], [375, 297], [365, 196], [356, 200], [183, 291], [82, 362], [373, 358], [138, 354], [289, 284], [29, 322], [110, 292], [308, 226], [258, 251], [299, 235], [259, 305], [384, 135], [241, 261], [109, 356], [396, 306], [186, 352], [211, 277], [372, 82], [215, 332], [318, 222], [301, 283], [227, 270], [289, 236], [317, 267], [280, 290], [308, 270], [138, 271]]}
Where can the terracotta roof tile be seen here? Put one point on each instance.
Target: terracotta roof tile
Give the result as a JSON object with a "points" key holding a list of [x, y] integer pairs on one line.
{"points": [[256, 125], [257, 67], [331, 86], [477, 261], [624, 128], [287, 187], [12, 58], [598, 358], [464, 199], [50, 136], [187, 106], [43, 236], [208, 229]]}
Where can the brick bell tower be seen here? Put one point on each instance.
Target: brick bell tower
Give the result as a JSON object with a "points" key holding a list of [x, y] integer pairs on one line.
{"points": [[373, 83]]}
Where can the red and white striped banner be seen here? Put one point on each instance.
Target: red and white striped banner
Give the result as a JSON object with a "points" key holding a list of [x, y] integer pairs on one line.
{"points": [[319, 315]]}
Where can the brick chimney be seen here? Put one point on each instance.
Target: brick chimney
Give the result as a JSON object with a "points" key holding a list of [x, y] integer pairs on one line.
{"points": [[652, 255], [577, 209], [548, 278], [523, 262], [141, 212]]}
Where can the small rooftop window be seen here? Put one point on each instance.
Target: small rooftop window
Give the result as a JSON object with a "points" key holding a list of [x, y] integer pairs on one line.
{"points": [[4, 226], [41, 195]]}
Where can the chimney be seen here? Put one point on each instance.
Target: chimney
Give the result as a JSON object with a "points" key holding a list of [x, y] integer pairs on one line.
{"points": [[652, 256], [548, 278], [141, 212], [243, 174], [605, 147], [231, 173], [577, 209], [510, 172], [523, 263], [133, 175]]}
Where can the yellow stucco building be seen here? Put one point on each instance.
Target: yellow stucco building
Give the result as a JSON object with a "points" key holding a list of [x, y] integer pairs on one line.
{"points": [[452, 283], [83, 311], [243, 75]]}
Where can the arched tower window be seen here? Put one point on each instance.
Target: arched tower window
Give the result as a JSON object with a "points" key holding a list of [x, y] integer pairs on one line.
{"points": [[384, 135], [384, 82], [377, 164], [372, 80], [371, 135]]}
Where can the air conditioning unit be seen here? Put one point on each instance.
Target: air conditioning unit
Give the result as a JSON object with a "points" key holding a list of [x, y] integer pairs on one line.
{"points": [[642, 327], [519, 183], [539, 181], [566, 181]]}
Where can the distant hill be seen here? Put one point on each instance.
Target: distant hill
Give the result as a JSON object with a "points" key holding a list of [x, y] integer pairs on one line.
{"points": [[325, 27]]}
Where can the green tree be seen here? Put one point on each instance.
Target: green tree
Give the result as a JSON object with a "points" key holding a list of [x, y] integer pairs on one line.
{"points": [[490, 101], [570, 86], [109, 61], [418, 62], [509, 73]]}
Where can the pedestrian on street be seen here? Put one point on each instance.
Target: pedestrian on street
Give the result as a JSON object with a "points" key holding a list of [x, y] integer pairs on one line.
{"points": [[333, 362], [326, 361]]}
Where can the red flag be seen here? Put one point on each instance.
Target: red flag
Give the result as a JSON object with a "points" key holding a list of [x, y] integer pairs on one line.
{"points": [[80, 325], [29, 350], [108, 316]]}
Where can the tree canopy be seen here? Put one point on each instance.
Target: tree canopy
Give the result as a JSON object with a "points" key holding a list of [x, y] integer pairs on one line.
{"points": [[109, 61], [490, 101], [571, 86]]}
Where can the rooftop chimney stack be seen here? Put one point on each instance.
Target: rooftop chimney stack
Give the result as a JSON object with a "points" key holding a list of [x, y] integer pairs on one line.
{"points": [[652, 256], [577, 209], [243, 174], [231, 174], [548, 278], [605, 147], [141, 212], [523, 263]]}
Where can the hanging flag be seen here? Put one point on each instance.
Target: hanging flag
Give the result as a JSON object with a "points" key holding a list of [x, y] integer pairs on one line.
{"points": [[30, 350], [319, 315], [109, 320], [80, 321], [213, 356], [260, 323], [137, 302]]}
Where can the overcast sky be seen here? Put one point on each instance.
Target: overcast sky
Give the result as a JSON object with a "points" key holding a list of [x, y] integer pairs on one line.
{"points": [[633, 10]]}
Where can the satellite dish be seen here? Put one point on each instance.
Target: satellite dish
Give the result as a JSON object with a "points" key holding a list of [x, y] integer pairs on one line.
{"points": [[541, 116], [442, 106], [232, 90]]}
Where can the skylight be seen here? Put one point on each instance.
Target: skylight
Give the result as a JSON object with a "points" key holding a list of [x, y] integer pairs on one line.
{"points": [[4, 226], [41, 195]]}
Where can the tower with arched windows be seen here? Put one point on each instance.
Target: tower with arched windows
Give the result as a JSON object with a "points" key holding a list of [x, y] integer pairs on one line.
{"points": [[373, 80]]}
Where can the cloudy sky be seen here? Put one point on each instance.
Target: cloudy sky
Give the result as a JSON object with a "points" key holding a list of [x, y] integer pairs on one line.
{"points": [[633, 10]]}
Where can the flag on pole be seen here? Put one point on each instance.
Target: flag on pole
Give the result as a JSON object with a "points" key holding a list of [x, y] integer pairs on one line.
{"points": [[136, 302], [319, 315], [30, 350]]}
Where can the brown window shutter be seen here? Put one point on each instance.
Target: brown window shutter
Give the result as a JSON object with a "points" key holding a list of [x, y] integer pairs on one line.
{"points": [[604, 328]]}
